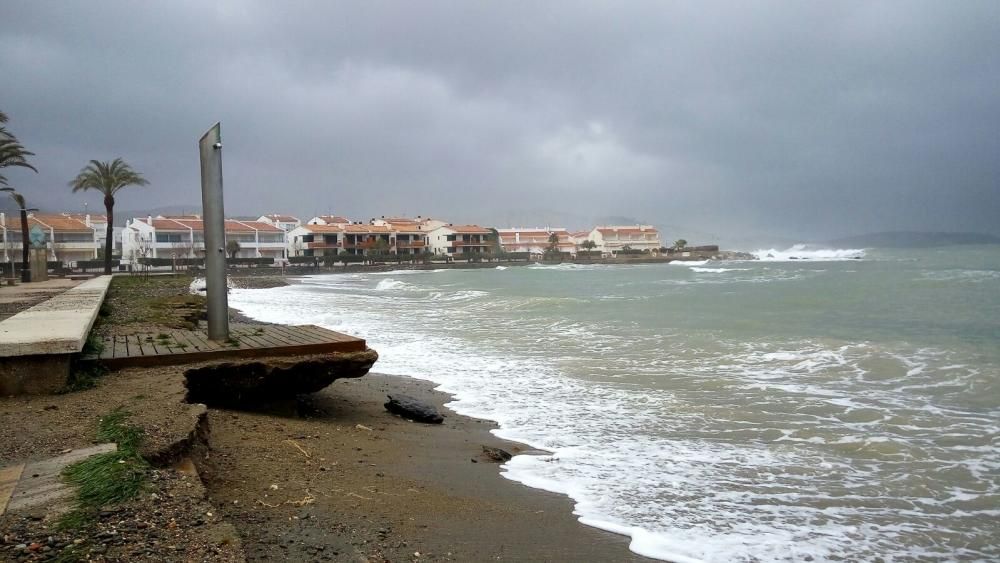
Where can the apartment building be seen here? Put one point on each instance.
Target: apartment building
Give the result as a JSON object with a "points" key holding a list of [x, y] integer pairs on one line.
{"points": [[460, 240], [67, 239], [612, 239], [315, 240], [535, 240], [183, 237], [336, 220], [284, 222]]}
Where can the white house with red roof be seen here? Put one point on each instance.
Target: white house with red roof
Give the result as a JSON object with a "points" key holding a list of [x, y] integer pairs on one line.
{"points": [[183, 237], [612, 239], [460, 240], [67, 239], [284, 222], [337, 220], [535, 240]]}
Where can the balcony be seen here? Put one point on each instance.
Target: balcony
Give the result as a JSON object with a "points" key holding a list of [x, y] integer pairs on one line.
{"points": [[364, 245], [460, 243], [410, 244], [323, 245]]}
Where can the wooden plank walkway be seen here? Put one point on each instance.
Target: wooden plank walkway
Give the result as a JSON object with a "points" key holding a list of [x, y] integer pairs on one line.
{"points": [[171, 347]]}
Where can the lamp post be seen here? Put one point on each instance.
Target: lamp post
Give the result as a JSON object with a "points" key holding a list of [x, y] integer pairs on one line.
{"points": [[19, 200]]}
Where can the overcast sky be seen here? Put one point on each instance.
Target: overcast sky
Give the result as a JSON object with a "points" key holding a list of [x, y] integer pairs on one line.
{"points": [[794, 119]]}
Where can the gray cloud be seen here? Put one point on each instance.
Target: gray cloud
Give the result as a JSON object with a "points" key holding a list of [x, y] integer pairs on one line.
{"points": [[775, 119]]}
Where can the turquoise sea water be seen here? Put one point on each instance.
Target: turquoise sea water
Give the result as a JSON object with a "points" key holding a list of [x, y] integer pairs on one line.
{"points": [[825, 408]]}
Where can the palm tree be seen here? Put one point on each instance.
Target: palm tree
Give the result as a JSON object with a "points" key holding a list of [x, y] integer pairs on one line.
{"points": [[12, 153], [107, 178], [679, 244], [233, 248], [22, 207]]}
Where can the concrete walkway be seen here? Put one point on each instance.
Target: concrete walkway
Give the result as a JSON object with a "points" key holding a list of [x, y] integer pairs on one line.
{"points": [[17, 298], [36, 345], [38, 484], [57, 326]]}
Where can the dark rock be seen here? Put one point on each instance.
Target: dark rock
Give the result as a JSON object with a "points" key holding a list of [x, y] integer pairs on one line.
{"points": [[413, 409], [496, 454], [238, 383]]}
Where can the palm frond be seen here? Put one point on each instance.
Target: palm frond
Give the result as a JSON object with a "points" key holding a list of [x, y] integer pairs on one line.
{"points": [[107, 177], [13, 154]]}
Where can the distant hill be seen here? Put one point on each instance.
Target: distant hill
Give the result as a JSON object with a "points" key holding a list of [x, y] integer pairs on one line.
{"points": [[905, 239], [153, 212]]}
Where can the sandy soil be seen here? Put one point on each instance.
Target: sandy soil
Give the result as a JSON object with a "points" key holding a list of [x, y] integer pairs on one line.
{"points": [[328, 477], [336, 477]]}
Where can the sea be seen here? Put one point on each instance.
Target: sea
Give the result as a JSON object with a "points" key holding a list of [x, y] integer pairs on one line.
{"points": [[812, 405]]}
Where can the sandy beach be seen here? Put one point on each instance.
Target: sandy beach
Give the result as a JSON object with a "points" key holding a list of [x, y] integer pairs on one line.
{"points": [[329, 477], [368, 485]]}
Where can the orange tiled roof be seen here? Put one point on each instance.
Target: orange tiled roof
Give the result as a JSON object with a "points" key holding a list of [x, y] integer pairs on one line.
{"points": [[626, 230], [58, 223], [359, 229], [469, 229], [94, 218], [323, 229], [232, 226], [282, 218], [334, 219]]}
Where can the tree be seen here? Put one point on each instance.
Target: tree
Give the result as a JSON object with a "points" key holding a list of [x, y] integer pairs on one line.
{"points": [[680, 244], [107, 178], [22, 207], [588, 245], [232, 248], [12, 153], [494, 238], [381, 247]]}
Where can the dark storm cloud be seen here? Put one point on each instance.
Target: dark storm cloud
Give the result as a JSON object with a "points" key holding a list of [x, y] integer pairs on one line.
{"points": [[794, 119]]}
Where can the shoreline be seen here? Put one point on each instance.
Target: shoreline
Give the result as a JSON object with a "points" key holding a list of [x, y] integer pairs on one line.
{"points": [[389, 487], [598, 533]]}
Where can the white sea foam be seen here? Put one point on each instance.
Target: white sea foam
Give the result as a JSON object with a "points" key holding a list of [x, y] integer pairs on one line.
{"points": [[803, 252], [394, 285], [718, 270], [675, 469]]}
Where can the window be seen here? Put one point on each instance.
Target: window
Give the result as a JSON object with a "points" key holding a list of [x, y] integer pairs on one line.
{"points": [[169, 237], [74, 237]]}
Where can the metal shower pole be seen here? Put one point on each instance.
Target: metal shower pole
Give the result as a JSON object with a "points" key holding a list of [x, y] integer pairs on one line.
{"points": [[214, 224]]}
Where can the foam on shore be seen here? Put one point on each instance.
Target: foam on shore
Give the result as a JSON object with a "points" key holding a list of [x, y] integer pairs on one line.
{"points": [[681, 479]]}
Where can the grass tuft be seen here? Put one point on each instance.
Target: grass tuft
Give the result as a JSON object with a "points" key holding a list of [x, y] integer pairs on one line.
{"points": [[109, 478]]}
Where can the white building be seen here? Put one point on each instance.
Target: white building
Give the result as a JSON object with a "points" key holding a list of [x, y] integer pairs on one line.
{"points": [[612, 239], [284, 222], [183, 237], [67, 239], [460, 240], [535, 240], [315, 240], [329, 220]]}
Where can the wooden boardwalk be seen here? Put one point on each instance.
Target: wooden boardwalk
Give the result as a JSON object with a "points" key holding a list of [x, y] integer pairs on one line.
{"points": [[170, 347]]}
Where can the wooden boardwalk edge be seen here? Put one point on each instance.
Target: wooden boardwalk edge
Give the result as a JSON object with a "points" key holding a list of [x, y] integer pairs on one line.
{"points": [[173, 347]]}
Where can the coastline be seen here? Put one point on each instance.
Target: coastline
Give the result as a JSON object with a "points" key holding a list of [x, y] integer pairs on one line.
{"points": [[451, 459], [379, 487]]}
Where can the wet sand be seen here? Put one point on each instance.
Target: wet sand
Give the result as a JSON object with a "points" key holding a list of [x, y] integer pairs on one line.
{"points": [[337, 477]]}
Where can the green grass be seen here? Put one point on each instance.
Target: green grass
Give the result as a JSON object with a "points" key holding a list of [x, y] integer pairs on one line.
{"points": [[94, 345], [109, 478], [83, 376]]}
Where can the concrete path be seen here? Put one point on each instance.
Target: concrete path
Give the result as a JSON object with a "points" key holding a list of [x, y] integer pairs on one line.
{"points": [[57, 326], [39, 486]]}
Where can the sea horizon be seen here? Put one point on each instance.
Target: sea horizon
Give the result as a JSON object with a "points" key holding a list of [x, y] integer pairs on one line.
{"points": [[835, 404]]}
